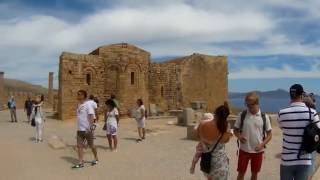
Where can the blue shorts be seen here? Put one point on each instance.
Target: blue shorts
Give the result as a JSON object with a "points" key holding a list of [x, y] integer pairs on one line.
{"points": [[297, 172]]}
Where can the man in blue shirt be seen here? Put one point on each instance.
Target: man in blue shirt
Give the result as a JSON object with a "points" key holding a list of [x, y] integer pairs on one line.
{"points": [[12, 107]]}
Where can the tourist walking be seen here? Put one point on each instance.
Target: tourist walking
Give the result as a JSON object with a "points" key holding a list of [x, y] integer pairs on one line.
{"points": [[293, 120], [253, 130], [94, 105], [197, 155], [111, 124], [140, 117], [28, 105], [38, 118], [13, 109], [85, 120], [213, 135]]}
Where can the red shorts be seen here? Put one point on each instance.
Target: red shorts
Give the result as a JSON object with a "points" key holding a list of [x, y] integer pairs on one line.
{"points": [[244, 158]]}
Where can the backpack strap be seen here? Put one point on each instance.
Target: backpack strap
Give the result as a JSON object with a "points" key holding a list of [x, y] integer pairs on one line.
{"points": [[264, 119], [242, 118], [215, 146]]}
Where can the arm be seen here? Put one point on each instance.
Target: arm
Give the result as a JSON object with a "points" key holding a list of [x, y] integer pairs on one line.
{"points": [[118, 119], [142, 113]]}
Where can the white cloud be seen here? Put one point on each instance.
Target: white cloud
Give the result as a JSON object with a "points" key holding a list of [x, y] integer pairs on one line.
{"points": [[30, 45], [286, 71]]}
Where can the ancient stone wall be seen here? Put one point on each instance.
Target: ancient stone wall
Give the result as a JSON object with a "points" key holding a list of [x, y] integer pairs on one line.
{"points": [[204, 78], [119, 69], [165, 86], [125, 71], [2, 93], [176, 83], [78, 71], [50, 88]]}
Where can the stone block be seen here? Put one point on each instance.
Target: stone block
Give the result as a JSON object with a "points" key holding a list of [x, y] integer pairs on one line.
{"points": [[187, 117], [153, 110], [191, 133], [56, 143]]}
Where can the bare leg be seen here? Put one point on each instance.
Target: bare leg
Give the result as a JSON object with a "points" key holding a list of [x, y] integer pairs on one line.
{"points": [[80, 154], [143, 133], [254, 176], [240, 176], [110, 141], [140, 132], [95, 153], [115, 141]]}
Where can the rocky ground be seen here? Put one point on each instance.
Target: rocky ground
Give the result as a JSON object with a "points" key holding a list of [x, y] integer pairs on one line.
{"points": [[165, 155]]}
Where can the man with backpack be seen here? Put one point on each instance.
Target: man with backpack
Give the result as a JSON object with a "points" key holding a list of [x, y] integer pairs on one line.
{"points": [[13, 109], [253, 130], [295, 122]]}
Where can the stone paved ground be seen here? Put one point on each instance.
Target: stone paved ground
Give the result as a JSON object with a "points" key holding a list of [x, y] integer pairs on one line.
{"points": [[165, 155]]}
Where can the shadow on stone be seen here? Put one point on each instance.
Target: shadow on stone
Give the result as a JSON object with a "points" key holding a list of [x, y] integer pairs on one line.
{"points": [[130, 139], [70, 160]]}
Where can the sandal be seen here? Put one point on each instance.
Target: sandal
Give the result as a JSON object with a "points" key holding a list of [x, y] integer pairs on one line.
{"points": [[78, 166]]}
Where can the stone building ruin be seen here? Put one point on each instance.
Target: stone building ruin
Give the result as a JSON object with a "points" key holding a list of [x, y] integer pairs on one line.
{"points": [[127, 71]]}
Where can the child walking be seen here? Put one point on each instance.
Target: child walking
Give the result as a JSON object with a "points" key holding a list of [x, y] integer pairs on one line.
{"points": [[112, 121]]}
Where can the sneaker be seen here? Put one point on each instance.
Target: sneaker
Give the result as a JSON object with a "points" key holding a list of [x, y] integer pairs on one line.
{"points": [[95, 162], [78, 166]]}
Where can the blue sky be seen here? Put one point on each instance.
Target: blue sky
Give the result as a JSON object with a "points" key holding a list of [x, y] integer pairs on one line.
{"points": [[270, 44]]}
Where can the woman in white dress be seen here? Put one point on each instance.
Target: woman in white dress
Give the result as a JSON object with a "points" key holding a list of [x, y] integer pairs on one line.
{"points": [[38, 117], [141, 120]]}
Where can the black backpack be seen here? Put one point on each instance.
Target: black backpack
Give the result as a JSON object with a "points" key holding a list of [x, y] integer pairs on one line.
{"points": [[311, 138]]}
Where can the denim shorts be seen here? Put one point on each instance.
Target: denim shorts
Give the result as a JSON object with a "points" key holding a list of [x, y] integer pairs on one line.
{"points": [[297, 172]]}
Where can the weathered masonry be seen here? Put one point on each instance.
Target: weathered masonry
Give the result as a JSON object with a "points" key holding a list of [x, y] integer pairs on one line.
{"points": [[126, 71]]}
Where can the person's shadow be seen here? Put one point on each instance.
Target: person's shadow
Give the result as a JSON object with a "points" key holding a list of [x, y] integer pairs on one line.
{"points": [[70, 160]]}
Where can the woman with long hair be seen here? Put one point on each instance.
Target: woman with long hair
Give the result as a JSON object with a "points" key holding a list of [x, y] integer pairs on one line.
{"points": [[38, 118], [112, 121], [213, 136]]}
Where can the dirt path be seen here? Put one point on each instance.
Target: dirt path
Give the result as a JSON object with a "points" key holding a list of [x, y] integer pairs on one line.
{"points": [[165, 155]]}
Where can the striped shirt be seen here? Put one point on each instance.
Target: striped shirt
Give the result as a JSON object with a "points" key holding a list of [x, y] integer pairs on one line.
{"points": [[292, 121]]}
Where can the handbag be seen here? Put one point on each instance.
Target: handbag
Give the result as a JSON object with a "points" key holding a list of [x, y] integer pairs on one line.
{"points": [[33, 122], [205, 163]]}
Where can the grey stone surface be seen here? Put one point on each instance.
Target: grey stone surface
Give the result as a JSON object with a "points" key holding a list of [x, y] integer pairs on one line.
{"points": [[191, 133], [56, 143], [153, 110], [188, 117]]}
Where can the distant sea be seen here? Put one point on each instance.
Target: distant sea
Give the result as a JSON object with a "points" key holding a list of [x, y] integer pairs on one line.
{"points": [[268, 104]]}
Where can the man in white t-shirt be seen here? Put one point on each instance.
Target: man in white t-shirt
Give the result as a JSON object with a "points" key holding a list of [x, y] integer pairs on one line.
{"points": [[85, 118], [250, 129]]}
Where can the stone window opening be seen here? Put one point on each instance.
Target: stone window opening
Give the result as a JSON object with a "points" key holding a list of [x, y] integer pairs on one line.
{"points": [[132, 78], [162, 91], [88, 79]]}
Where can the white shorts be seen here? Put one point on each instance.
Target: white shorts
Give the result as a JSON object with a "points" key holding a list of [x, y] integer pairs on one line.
{"points": [[141, 123]]}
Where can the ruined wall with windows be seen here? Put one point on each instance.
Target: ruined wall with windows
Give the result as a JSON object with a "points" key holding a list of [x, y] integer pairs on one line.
{"points": [[125, 71], [118, 69]]}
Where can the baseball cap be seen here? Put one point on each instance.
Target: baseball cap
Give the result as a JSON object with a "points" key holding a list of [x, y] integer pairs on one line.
{"points": [[296, 90]]}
